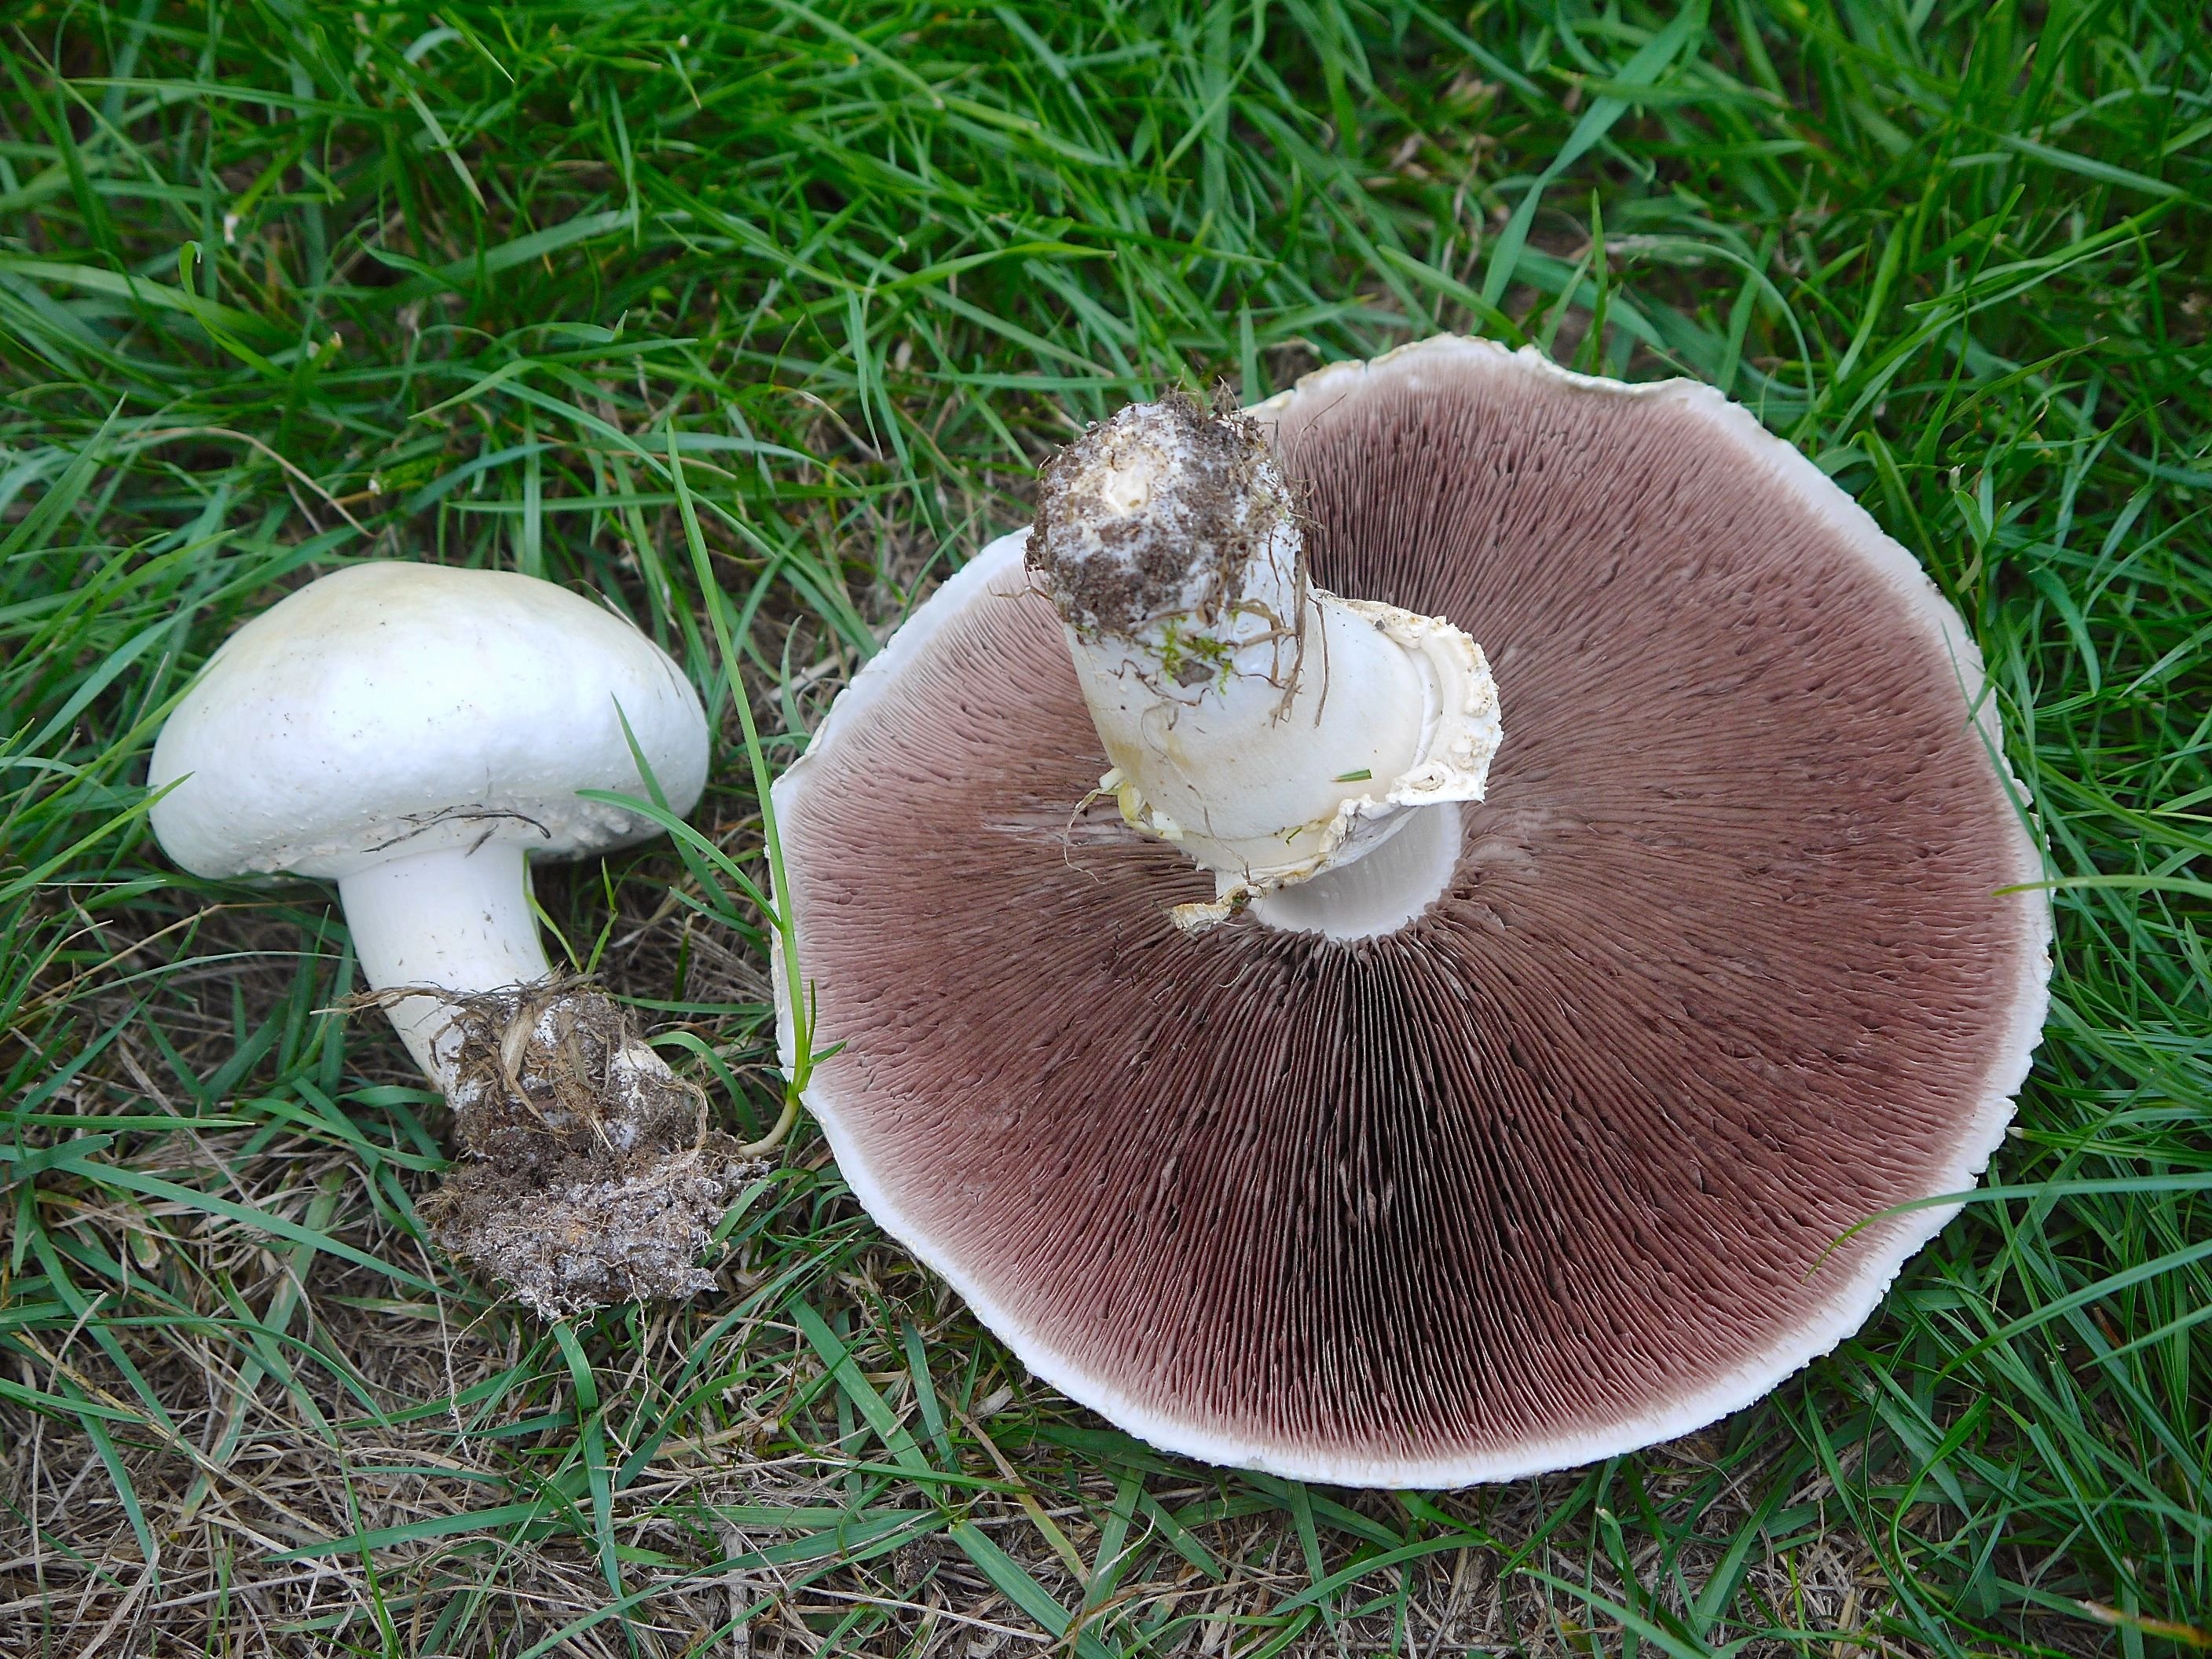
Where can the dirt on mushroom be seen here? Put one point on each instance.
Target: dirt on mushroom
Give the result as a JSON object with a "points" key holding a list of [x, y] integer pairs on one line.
{"points": [[1140, 572], [591, 1175]]}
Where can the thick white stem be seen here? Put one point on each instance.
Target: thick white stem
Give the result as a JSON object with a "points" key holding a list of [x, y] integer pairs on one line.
{"points": [[457, 919], [1274, 730]]}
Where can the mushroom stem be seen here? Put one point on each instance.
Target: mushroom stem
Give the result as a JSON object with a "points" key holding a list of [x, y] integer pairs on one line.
{"points": [[455, 919], [1273, 730]]}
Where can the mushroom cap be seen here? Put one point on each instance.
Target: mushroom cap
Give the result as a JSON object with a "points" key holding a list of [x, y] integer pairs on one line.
{"points": [[1571, 1162], [392, 709]]}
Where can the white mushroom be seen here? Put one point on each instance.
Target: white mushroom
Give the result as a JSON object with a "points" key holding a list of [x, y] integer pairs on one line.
{"points": [[417, 734]]}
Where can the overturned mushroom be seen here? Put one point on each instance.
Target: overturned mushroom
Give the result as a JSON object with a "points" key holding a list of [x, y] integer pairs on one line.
{"points": [[1547, 1126], [415, 734]]}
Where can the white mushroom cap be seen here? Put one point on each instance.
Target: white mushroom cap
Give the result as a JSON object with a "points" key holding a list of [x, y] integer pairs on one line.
{"points": [[394, 708]]}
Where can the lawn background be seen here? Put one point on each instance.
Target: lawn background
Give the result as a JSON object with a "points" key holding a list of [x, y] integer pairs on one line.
{"points": [[285, 285]]}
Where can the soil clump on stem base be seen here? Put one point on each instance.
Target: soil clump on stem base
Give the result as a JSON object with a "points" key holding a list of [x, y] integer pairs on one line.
{"points": [[591, 1175]]}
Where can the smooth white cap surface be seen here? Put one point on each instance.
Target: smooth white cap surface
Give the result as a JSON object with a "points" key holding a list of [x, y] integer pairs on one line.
{"points": [[394, 708]]}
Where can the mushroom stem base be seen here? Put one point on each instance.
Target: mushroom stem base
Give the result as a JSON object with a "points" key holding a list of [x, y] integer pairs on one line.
{"points": [[594, 1178]]}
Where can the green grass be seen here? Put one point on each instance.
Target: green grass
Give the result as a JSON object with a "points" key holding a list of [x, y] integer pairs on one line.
{"points": [[283, 285]]}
